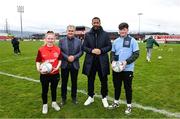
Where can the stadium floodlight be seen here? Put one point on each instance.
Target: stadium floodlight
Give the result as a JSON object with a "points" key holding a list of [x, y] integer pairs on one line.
{"points": [[159, 27], [20, 9], [6, 27], [139, 14]]}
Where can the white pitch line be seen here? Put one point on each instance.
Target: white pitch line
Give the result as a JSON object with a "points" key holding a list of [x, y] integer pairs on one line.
{"points": [[164, 112], [10, 60]]}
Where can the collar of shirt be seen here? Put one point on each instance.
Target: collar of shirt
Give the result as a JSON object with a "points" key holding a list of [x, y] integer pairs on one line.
{"points": [[123, 37], [70, 39], [49, 48]]}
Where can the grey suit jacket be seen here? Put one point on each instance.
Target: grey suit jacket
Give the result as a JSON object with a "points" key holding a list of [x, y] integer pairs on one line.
{"points": [[63, 44]]}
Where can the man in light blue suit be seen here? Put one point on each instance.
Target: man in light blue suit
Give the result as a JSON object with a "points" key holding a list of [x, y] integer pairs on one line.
{"points": [[71, 52]]}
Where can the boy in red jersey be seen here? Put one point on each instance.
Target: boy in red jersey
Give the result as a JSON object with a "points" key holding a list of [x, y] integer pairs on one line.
{"points": [[52, 54]]}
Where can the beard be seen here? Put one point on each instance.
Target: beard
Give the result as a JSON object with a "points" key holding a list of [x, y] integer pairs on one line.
{"points": [[96, 27]]}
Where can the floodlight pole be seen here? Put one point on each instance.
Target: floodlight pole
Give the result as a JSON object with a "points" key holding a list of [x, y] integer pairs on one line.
{"points": [[20, 9], [139, 14], [159, 27], [6, 27]]}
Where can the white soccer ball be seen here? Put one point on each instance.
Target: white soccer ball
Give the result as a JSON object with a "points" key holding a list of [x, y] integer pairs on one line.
{"points": [[159, 57], [117, 66], [46, 67]]}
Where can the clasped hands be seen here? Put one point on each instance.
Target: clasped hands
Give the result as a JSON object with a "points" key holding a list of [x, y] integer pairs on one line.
{"points": [[71, 58], [96, 51]]}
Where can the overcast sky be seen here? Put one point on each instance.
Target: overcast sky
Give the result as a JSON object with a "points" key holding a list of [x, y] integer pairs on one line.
{"points": [[43, 15]]}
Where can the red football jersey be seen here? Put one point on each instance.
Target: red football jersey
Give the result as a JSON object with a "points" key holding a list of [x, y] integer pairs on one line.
{"points": [[49, 54]]}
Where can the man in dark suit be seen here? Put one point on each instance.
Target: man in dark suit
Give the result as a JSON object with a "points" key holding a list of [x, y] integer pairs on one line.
{"points": [[71, 52], [15, 44], [96, 45]]}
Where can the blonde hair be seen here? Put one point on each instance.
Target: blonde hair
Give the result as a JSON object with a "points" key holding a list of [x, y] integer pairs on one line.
{"points": [[48, 33]]}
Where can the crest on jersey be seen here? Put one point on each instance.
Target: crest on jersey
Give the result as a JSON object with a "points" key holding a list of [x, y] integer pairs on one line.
{"points": [[55, 54]]}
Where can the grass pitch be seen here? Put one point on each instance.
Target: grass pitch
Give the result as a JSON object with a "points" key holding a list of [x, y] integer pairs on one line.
{"points": [[155, 84]]}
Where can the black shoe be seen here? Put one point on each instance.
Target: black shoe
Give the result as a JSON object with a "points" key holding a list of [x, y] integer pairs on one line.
{"points": [[113, 106], [74, 101], [63, 102]]}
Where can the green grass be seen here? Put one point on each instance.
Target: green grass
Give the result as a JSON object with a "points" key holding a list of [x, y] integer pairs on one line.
{"points": [[155, 84]]}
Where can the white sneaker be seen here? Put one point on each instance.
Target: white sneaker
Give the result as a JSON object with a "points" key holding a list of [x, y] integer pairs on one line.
{"points": [[148, 59], [128, 110], [55, 106], [105, 102], [45, 109], [89, 101]]}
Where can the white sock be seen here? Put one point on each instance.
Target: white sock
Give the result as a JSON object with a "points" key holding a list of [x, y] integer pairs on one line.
{"points": [[53, 102], [128, 105], [44, 104], [104, 98], [116, 101]]}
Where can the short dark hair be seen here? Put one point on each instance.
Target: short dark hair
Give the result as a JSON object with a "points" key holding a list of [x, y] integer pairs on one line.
{"points": [[96, 18], [123, 25], [50, 32]]}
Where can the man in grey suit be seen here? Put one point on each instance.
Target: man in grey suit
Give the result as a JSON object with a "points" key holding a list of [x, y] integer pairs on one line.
{"points": [[71, 52]]}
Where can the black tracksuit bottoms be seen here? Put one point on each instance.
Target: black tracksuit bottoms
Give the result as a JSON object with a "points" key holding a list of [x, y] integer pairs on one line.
{"points": [[45, 81], [125, 77], [16, 49]]}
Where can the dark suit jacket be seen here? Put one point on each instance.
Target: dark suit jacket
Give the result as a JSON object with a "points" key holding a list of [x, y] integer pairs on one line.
{"points": [[63, 44], [15, 42], [104, 44]]}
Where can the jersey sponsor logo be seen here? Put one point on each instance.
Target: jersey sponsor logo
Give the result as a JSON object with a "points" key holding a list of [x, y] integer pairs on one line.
{"points": [[127, 42], [55, 54], [50, 60]]}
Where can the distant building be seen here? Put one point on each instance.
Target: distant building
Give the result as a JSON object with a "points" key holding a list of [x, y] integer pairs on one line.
{"points": [[114, 35], [165, 38], [40, 36], [37, 36], [62, 35], [81, 31], [5, 36]]}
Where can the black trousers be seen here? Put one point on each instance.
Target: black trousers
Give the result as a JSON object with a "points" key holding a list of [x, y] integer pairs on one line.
{"points": [[45, 80], [65, 75], [125, 77], [103, 79], [16, 49]]}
